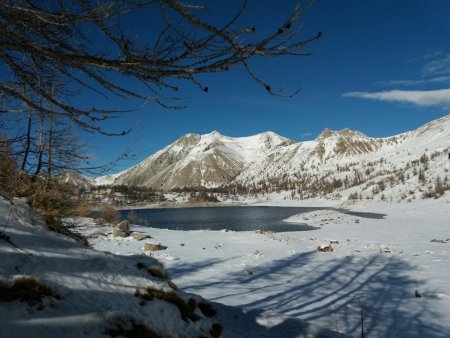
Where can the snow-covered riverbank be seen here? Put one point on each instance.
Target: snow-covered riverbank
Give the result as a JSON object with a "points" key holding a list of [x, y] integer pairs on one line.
{"points": [[378, 265]]}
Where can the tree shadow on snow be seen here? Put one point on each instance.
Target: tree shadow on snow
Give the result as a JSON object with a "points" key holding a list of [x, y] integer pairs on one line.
{"points": [[330, 293]]}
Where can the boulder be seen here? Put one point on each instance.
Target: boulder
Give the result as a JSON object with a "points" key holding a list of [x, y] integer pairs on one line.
{"points": [[97, 234], [325, 248], [139, 236], [154, 247], [384, 249], [119, 233], [438, 241], [334, 241], [99, 221], [124, 226]]}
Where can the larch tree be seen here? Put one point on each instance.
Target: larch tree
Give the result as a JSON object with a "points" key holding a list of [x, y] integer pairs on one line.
{"points": [[92, 44]]}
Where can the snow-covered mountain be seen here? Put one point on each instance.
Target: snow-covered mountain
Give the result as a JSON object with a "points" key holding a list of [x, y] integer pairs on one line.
{"points": [[76, 180], [341, 162], [348, 164], [199, 160]]}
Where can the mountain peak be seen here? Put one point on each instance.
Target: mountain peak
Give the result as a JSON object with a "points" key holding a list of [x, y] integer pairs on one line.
{"points": [[346, 133], [270, 134], [213, 137], [189, 138], [214, 133]]}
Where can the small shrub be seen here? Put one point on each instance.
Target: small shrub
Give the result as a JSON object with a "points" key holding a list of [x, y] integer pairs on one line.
{"points": [[157, 272], [207, 309], [172, 285], [132, 330], [216, 330], [140, 265], [186, 309], [52, 199], [26, 289], [366, 323], [55, 224], [82, 208], [110, 214], [353, 196], [439, 188]]}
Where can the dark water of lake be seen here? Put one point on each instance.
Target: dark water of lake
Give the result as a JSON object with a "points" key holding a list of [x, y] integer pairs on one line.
{"points": [[218, 218]]}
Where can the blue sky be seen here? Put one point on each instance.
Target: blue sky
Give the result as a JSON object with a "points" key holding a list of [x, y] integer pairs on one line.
{"points": [[381, 67]]}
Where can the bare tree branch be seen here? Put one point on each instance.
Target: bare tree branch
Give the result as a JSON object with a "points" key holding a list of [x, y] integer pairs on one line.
{"points": [[53, 33], [52, 47]]}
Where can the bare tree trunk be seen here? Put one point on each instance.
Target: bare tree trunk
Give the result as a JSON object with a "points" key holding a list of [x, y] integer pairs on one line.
{"points": [[50, 140], [41, 145], [28, 139]]}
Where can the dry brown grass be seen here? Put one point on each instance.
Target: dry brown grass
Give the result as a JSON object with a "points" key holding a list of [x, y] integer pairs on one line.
{"points": [[82, 209], [55, 224], [132, 330], [110, 214], [172, 285], [157, 272], [52, 199], [186, 309], [26, 289]]}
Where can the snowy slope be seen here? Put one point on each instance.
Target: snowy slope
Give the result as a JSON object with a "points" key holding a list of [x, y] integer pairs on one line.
{"points": [[198, 160], [76, 180], [95, 290], [357, 160]]}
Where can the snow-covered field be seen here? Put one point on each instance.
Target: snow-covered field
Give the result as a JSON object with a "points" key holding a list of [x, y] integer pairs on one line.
{"points": [[384, 254], [263, 284]]}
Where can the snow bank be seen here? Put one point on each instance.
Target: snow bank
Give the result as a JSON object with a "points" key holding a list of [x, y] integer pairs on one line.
{"points": [[96, 291]]}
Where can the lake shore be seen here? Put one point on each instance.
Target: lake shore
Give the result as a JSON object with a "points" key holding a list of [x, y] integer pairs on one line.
{"points": [[273, 199]]}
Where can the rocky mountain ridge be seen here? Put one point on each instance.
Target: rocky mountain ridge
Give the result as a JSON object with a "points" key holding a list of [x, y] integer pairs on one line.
{"points": [[198, 160], [336, 163]]}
